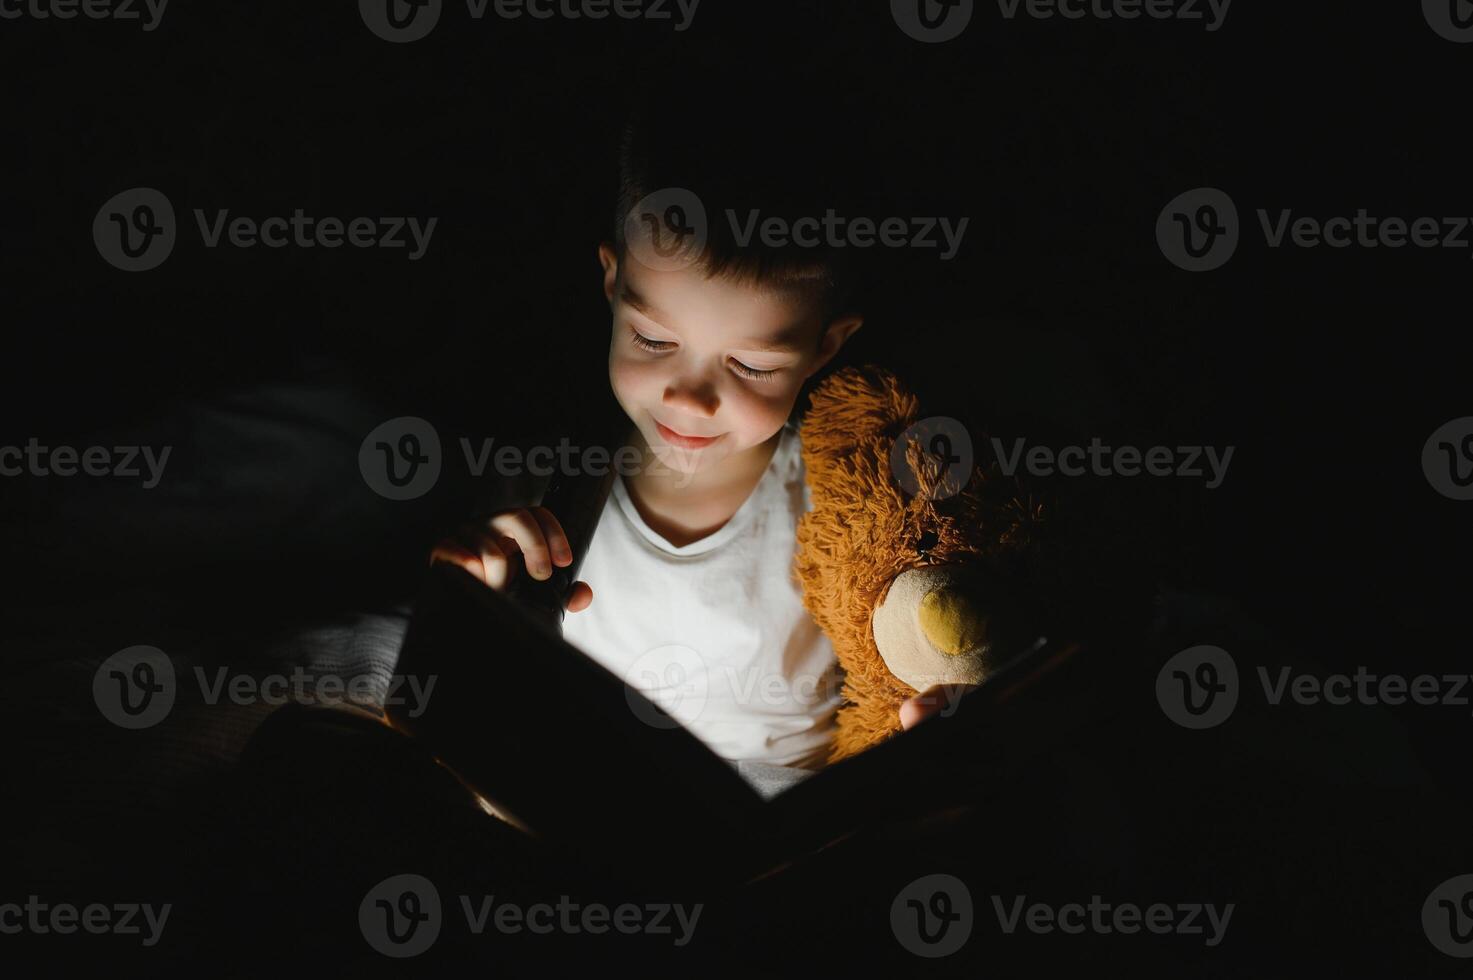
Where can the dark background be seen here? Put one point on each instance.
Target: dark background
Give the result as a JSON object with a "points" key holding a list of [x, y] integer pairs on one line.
{"points": [[1061, 141]]}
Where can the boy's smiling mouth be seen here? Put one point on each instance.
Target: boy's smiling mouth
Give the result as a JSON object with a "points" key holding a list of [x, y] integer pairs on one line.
{"points": [[683, 441]]}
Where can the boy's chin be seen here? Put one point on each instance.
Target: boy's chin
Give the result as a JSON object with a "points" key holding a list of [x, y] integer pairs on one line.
{"points": [[683, 461], [685, 466]]}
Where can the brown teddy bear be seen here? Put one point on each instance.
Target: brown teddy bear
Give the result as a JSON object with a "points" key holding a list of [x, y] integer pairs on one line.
{"points": [[911, 559]]}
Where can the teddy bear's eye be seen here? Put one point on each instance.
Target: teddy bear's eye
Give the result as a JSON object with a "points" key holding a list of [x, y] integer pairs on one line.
{"points": [[927, 542]]}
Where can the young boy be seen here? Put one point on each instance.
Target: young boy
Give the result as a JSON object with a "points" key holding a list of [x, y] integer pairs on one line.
{"points": [[715, 333]]}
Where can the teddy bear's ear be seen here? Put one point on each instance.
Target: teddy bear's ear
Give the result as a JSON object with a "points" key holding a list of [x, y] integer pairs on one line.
{"points": [[852, 406]]}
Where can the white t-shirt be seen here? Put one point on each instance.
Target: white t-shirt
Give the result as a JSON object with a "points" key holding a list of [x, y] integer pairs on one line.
{"points": [[715, 632]]}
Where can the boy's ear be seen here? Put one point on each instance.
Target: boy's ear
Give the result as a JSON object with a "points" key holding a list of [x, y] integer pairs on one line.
{"points": [[835, 334], [610, 261]]}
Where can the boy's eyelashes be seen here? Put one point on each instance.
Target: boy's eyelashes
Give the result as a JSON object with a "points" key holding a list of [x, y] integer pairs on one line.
{"points": [[640, 340], [656, 346]]}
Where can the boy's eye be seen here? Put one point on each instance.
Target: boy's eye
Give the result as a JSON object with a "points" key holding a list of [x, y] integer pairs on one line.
{"points": [[749, 372], [640, 340], [655, 346]]}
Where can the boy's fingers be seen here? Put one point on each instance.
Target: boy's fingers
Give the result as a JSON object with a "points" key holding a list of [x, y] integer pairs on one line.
{"points": [[487, 551], [917, 709], [492, 554], [525, 531], [580, 596], [937, 698], [552, 531], [455, 553]]}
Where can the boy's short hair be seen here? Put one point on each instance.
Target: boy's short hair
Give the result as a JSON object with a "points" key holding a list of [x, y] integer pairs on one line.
{"points": [[746, 165]]}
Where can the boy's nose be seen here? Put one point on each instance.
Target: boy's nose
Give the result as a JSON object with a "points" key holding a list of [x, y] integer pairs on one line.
{"points": [[700, 401]]}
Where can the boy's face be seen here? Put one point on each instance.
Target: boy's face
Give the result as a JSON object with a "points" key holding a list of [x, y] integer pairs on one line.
{"points": [[708, 357]]}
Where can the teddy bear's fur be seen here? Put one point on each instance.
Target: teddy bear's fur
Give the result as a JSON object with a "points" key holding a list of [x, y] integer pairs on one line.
{"points": [[865, 530]]}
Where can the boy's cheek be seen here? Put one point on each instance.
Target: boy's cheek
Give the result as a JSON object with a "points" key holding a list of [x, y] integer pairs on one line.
{"points": [[768, 412], [628, 379]]}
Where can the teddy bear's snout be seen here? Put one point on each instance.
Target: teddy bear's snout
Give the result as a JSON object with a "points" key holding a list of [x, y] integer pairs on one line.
{"points": [[952, 621], [930, 628]]}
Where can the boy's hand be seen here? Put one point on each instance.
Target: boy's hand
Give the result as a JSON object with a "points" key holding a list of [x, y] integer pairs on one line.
{"points": [[487, 549], [939, 698]]}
